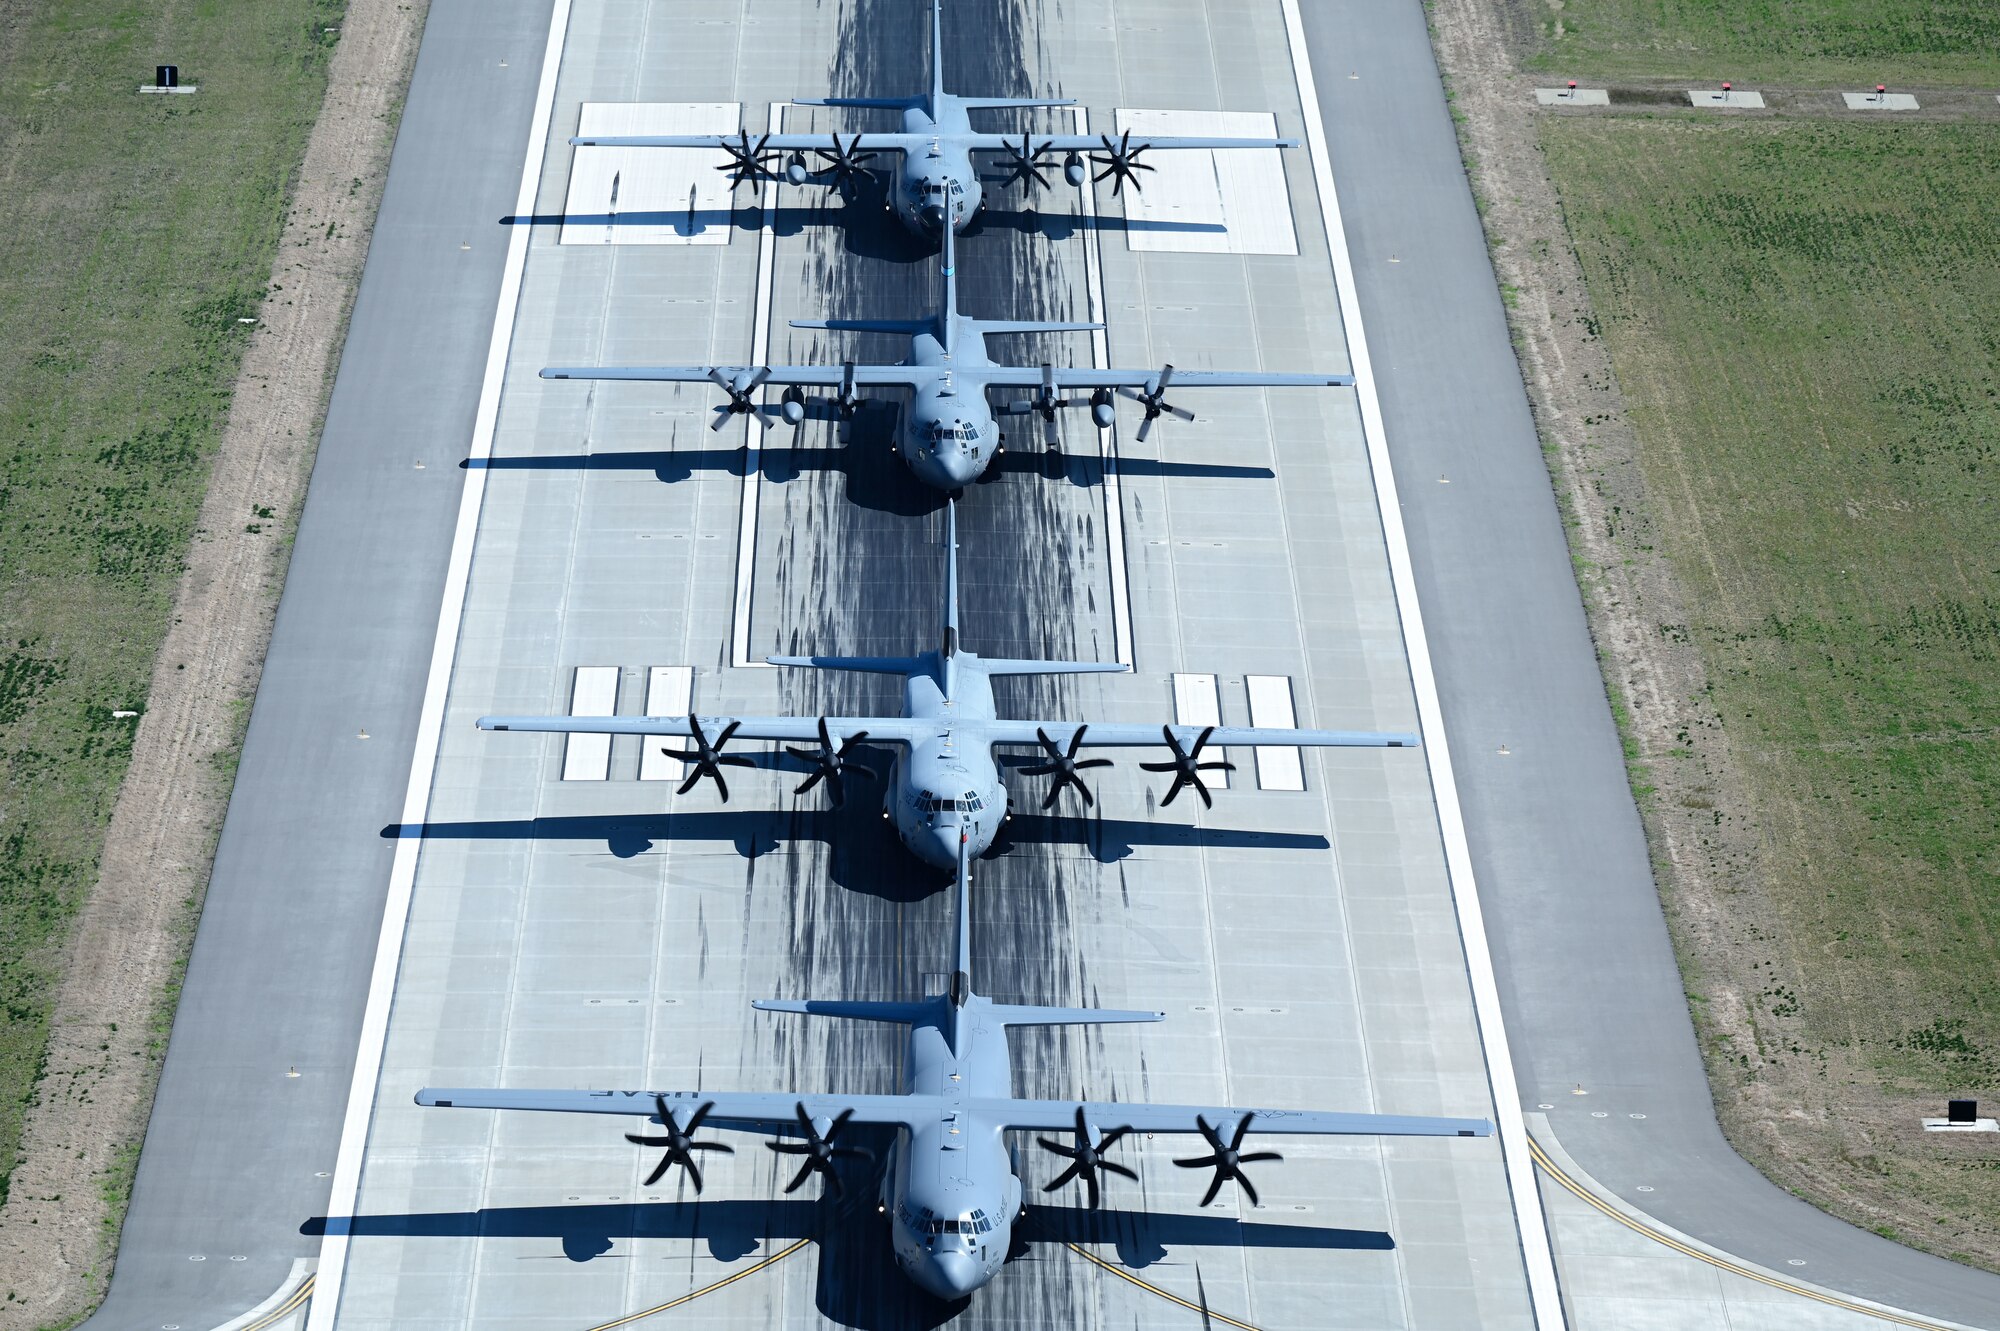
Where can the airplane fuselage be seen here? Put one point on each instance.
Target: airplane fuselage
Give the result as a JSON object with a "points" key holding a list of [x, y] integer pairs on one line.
{"points": [[941, 788], [949, 1187], [949, 435], [936, 184]]}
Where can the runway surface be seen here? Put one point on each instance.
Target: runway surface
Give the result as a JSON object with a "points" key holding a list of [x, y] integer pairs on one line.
{"points": [[1304, 944]]}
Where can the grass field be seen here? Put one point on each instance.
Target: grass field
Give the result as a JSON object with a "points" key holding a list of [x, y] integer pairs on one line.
{"points": [[135, 233], [1802, 320], [1800, 43]]}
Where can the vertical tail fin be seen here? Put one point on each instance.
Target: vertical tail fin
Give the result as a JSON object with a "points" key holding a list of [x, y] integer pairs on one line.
{"points": [[937, 57]]}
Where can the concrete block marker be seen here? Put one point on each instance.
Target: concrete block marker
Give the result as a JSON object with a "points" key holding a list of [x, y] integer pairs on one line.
{"points": [[1271, 705], [649, 196], [1196, 704], [1728, 97], [594, 693], [1572, 96], [1238, 198], [669, 692], [1880, 100]]}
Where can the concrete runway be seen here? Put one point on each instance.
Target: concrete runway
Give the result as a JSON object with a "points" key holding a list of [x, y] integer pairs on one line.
{"points": [[568, 934]]}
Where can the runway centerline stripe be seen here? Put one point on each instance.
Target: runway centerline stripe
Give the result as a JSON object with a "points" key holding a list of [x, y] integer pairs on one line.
{"points": [[1531, 1222], [1734, 1267], [753, 463], [430, 725]]}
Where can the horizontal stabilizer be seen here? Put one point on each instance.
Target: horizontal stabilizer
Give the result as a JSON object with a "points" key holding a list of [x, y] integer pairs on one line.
{"points": [[907, 327], [904, 1014], [996, 103], [867, 665], [1004, 666], [1014, 1015], [1029, 326], [899, 103]]}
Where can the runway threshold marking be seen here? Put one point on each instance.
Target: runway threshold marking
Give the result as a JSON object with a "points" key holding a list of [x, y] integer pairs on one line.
{"points": [[1530, 1220], [753, 460], [285, 1309], [1171, 1297], [692, 1295], [1107, 440], [366, 1084], [1734, 1267]]}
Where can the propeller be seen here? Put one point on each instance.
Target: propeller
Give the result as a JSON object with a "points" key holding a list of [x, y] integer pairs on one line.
{"points": [[1063, 766], [844, 162], [680, 1143], [1024, 164], [1045, 403], [1155, 401], [1227, 1159], [746, 163], [741, 388], [832, 765], [847, 400], [707, 759], [1120, 162], [1187, 767], [819, 1151], [1086, 1159]]}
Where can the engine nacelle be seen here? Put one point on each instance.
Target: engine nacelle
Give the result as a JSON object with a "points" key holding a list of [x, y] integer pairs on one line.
{"points": [[1073, 171], [1101, 409], [792, 406], [795, 172]]}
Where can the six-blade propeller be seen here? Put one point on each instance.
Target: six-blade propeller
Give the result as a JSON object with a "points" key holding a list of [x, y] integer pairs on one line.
{"points": [[1063, 766], [708, 760], [1155, 402], [819, 1150], [1120, 161], [679, 1143], [746, 162], [1187, 767], [844, 163], [832, 765], [1227, 1159], [1086, 1158]]}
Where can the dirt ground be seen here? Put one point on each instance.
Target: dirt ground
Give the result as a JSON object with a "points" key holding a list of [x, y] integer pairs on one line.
{"points": [[1830, 1134], [59, 1226]]}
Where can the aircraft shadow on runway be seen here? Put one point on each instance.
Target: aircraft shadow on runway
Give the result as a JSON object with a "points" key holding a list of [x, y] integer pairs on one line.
{"points": [[759, 832], [859, 1285]]}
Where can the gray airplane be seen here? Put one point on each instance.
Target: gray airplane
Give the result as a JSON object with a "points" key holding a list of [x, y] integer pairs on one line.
{"points": [[944, 790], [950, 434], [949, 1187], [936, 180]]}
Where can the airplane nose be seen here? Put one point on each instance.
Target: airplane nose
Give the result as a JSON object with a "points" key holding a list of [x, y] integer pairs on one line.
{"points": [[953, 1275], [941, 846], [934, 216]]}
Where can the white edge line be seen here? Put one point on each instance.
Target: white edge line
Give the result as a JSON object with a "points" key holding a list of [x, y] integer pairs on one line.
{"points": [[753, 465], [1532, 1223], [1107, 443], [430, 725]]}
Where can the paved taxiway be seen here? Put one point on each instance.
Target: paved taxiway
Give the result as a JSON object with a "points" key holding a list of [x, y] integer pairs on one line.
{"points": [[232, 1163]]}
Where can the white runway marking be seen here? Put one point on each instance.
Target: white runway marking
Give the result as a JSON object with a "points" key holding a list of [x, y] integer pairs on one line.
{"points": [[1529, 1218], [444, 650], [594, 693], [1241, 190], [1271, 705], [760, 347], [1107, 443], [649, 196], [1196, 703], [669, 692]]}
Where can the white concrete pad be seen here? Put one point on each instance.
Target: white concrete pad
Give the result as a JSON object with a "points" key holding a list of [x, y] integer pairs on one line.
{"points": [[1573, 96], [1271, 705], [639, 196], [1736, 98], [1196, 704], [669, 692], [1879, 101], [1946, 1125], [1242, 190], [594, 693]]}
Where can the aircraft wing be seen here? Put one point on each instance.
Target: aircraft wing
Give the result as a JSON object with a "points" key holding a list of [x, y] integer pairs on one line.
{"points": [[796, 729], [1083, 376], [1060, 1116], [743, 1111], [806, 376], [770, 143], [1066, 143], [1101, 734]]}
